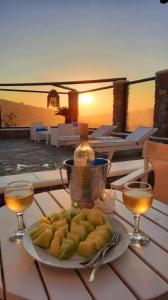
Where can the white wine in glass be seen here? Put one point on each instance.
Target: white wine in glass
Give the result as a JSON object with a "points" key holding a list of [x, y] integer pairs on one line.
{"points": [[18, 197], [138, 198]]}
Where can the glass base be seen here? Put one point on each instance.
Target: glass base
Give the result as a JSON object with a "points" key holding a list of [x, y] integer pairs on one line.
{"points": [[17, 236], [138, 239]]}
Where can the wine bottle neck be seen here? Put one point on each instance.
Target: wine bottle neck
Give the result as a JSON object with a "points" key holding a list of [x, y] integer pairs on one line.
{"points": [[84, 142], [84, 133]]}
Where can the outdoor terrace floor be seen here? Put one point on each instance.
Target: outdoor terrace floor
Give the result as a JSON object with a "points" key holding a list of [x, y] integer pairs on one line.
{"points": [[14, 153]]}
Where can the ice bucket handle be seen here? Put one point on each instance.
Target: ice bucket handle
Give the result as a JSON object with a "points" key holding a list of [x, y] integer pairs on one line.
{"points": [[109, 167], [62, 180]]}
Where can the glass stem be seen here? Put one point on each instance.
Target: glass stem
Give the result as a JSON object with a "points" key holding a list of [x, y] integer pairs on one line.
{"points": [[21, 226], [136, 224]]}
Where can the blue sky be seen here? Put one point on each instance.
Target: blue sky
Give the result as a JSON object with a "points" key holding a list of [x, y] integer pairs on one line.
{"points": [[76, 39]]}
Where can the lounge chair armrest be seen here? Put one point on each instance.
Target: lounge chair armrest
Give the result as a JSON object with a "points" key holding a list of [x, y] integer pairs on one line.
{"points": [[138, 174]]}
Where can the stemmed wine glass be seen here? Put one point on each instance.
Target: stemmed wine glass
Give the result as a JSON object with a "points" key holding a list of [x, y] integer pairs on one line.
{"points": [[138, 198], [18, 197]]}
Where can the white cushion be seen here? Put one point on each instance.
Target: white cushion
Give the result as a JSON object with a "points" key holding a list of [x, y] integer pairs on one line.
{"points": [[69, 138], [111, 143], [140, 134]]}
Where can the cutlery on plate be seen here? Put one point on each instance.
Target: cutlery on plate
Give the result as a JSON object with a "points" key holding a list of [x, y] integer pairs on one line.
{"points": [[92, 261], [101, 258]]}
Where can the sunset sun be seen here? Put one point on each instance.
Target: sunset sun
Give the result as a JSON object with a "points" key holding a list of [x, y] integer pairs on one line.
{"points": [[86, 99]]}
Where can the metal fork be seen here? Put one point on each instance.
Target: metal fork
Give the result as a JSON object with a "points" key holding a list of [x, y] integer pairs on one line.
{"points": [[92, 261], [102, 257]]}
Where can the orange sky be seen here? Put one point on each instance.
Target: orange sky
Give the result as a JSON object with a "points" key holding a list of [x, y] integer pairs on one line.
{"points": [[78, 40]]}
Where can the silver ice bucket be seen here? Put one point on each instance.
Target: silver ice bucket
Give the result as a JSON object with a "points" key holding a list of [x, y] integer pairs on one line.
{"points": [[86, 184]]}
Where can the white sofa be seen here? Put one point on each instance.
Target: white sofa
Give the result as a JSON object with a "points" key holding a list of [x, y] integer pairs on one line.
{"points": [[69, 134], [64, 131]]}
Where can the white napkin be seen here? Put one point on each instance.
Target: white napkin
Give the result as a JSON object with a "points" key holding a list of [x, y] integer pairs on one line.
{"points": [[107, 205]]}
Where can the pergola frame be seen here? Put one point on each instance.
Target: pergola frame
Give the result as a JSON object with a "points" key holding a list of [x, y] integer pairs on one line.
{"points": [[73, 93], [61, 84]]}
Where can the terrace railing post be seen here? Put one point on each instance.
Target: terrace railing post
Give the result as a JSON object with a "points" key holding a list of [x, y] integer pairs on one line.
{"points": [[161, 103], [120, 104], [0, 117], [73, 106]]}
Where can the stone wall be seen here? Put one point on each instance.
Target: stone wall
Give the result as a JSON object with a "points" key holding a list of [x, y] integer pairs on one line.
{"points": [[14, 133], [73, 106], [161, 103]]}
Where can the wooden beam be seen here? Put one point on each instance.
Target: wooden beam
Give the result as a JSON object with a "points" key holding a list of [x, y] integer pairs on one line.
{"points": [[141, 80], [97, 89], [29, 91], [62, 82], [64, 87]]}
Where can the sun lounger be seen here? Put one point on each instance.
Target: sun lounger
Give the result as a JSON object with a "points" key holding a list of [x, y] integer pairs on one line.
{"points": [[102, 131], [68, 134], [135, 140]]}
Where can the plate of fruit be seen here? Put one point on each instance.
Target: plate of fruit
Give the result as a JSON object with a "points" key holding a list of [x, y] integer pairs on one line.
{"points": [[66, 239]]}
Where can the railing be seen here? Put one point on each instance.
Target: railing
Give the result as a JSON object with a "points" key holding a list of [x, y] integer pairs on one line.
{"points": [[142, 80], [61, 85]]}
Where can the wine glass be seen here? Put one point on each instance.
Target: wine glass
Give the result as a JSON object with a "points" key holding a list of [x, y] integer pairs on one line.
{"points": [[138, 198], [18, 197]]}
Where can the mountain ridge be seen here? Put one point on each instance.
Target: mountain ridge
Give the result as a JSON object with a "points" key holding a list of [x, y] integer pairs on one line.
{"points": [[136, 118]]}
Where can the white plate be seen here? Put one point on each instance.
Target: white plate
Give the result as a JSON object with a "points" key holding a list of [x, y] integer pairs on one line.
{"points": [[43, 256]]}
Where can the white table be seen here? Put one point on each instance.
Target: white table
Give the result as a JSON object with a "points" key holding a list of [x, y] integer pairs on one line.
{"points": [[137, 274], [43, 135]]}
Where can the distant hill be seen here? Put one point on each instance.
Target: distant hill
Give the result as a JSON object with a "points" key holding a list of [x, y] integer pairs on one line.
{"points": [[140, 117], [27, 114], [135, 119], [96, 120]]}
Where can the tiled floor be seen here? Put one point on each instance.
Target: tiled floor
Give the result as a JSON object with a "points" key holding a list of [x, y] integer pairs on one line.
{"points": [[22, 155]]}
